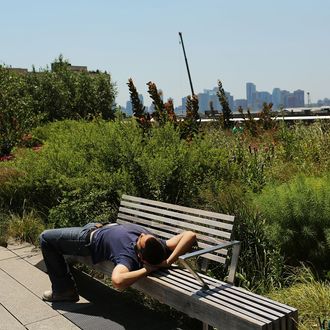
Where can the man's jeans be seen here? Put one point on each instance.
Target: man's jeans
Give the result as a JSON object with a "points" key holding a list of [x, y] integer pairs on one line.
{"points": [[57, 242]]}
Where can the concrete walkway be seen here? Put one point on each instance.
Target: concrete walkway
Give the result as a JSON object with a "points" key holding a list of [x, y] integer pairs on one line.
{"points": [[23, 280], [21, 286]]}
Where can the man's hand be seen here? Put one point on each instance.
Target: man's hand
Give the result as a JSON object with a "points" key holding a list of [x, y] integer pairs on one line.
{"points": [[150, 268], [164, 264]]}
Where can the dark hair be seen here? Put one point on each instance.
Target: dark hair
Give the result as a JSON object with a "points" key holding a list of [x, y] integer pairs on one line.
{"points": [[154, 251]]}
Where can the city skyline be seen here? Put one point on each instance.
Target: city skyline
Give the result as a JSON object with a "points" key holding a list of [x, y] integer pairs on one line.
{"points": [[254, 100], [282, 43]]}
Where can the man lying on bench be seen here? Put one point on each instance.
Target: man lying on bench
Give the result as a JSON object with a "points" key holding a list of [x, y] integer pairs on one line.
{"points": [[134, 250]]}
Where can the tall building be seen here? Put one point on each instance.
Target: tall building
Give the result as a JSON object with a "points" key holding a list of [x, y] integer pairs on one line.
{"points": [[299, 96], [240, 103], [251, 94], [261, 98], [276, 99], [129, 106]]}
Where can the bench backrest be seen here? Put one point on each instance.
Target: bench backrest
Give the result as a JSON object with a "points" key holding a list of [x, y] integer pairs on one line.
{"points": [[167, 220]]}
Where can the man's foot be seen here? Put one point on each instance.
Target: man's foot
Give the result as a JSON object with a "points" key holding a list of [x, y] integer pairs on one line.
{"points": [[70, 295]]}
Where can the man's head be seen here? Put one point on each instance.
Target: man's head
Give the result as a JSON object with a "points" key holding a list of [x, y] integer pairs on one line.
{"points": [[150, 249]]}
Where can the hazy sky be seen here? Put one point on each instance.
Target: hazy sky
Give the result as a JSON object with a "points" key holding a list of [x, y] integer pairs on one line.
{"points": [[282, 43]]}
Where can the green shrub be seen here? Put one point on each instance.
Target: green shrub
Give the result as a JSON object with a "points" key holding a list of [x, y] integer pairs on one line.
{"points": [[298, 219], [306, 146], [25, 228], [310, 296], [16, 111], [63, 94], [260, 265]]}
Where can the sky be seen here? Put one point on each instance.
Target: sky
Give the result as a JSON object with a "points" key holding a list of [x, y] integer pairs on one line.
{"points": [[282, 43]]}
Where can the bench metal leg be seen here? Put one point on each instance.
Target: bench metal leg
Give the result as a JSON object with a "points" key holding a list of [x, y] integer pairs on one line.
{"points": [[197, 277], [205, 326], [233, 264]]}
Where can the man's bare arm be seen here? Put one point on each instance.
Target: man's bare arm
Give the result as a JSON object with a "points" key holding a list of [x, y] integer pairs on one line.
{"points": [[122, 277], [179, 245]]}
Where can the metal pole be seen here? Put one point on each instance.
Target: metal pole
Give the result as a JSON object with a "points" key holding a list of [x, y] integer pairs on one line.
{"points": [[185, 58]]}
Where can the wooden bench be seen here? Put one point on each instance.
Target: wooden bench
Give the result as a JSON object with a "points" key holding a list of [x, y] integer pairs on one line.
{"points": [[216, 303]]}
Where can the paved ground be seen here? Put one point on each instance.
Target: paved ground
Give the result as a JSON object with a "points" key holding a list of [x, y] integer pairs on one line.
{"points": [[22, 281]]}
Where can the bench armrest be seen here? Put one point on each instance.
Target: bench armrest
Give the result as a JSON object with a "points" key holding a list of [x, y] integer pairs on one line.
{"points": [[208, 250], [232, 267]]}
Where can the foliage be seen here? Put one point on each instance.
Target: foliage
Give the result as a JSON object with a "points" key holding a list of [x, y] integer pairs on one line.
{"points": [[250, 124], [190, 126], [16, 111], [306, 146], [226, 111], [260, 265], [64, 94], [139, 111], [159, 113], [25, 228], [28, 99], [310, 296], [298, 218], [266, 119], [80, 177]]}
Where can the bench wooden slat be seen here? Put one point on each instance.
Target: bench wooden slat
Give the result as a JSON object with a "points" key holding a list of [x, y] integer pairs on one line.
{"points": [[167, 229], [175, 215], [230, 288], [180, 216], [180, 208], [222, 294], [167, 279], [176, 223]]}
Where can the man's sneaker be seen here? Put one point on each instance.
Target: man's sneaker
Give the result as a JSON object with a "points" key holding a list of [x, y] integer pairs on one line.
{"points": [[70, 295]]}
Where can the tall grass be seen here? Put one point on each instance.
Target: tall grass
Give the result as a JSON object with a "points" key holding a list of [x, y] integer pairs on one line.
{"points": [[23, 228], [298, 218], [310, 296]]}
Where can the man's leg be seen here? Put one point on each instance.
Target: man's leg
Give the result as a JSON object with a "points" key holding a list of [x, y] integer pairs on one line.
{"points": [[57, 242]]}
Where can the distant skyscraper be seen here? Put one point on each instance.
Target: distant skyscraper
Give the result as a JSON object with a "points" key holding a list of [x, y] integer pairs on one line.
{"points": [[285, 98], [129, 108], [276, 98], [203, 102], [299, 98], [250, 94], [261, 98], [240, 103]]}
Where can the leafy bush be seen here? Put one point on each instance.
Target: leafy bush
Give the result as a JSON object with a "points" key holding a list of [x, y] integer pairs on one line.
{"points": [[298, 219], [306, 146], [260, 265], [310, 296], [27, 99], [25, 228], [16, 112], [63, 94]]}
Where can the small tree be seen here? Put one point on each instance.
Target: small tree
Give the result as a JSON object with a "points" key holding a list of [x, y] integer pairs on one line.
{"points": [[226, 111], [159, 113], [190, 125], [249, 122], [265, 118], [169, 109], [139, 110]]}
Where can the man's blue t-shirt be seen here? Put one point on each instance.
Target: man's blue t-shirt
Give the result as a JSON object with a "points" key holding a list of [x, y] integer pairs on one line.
{"points": [[116, 243]]}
